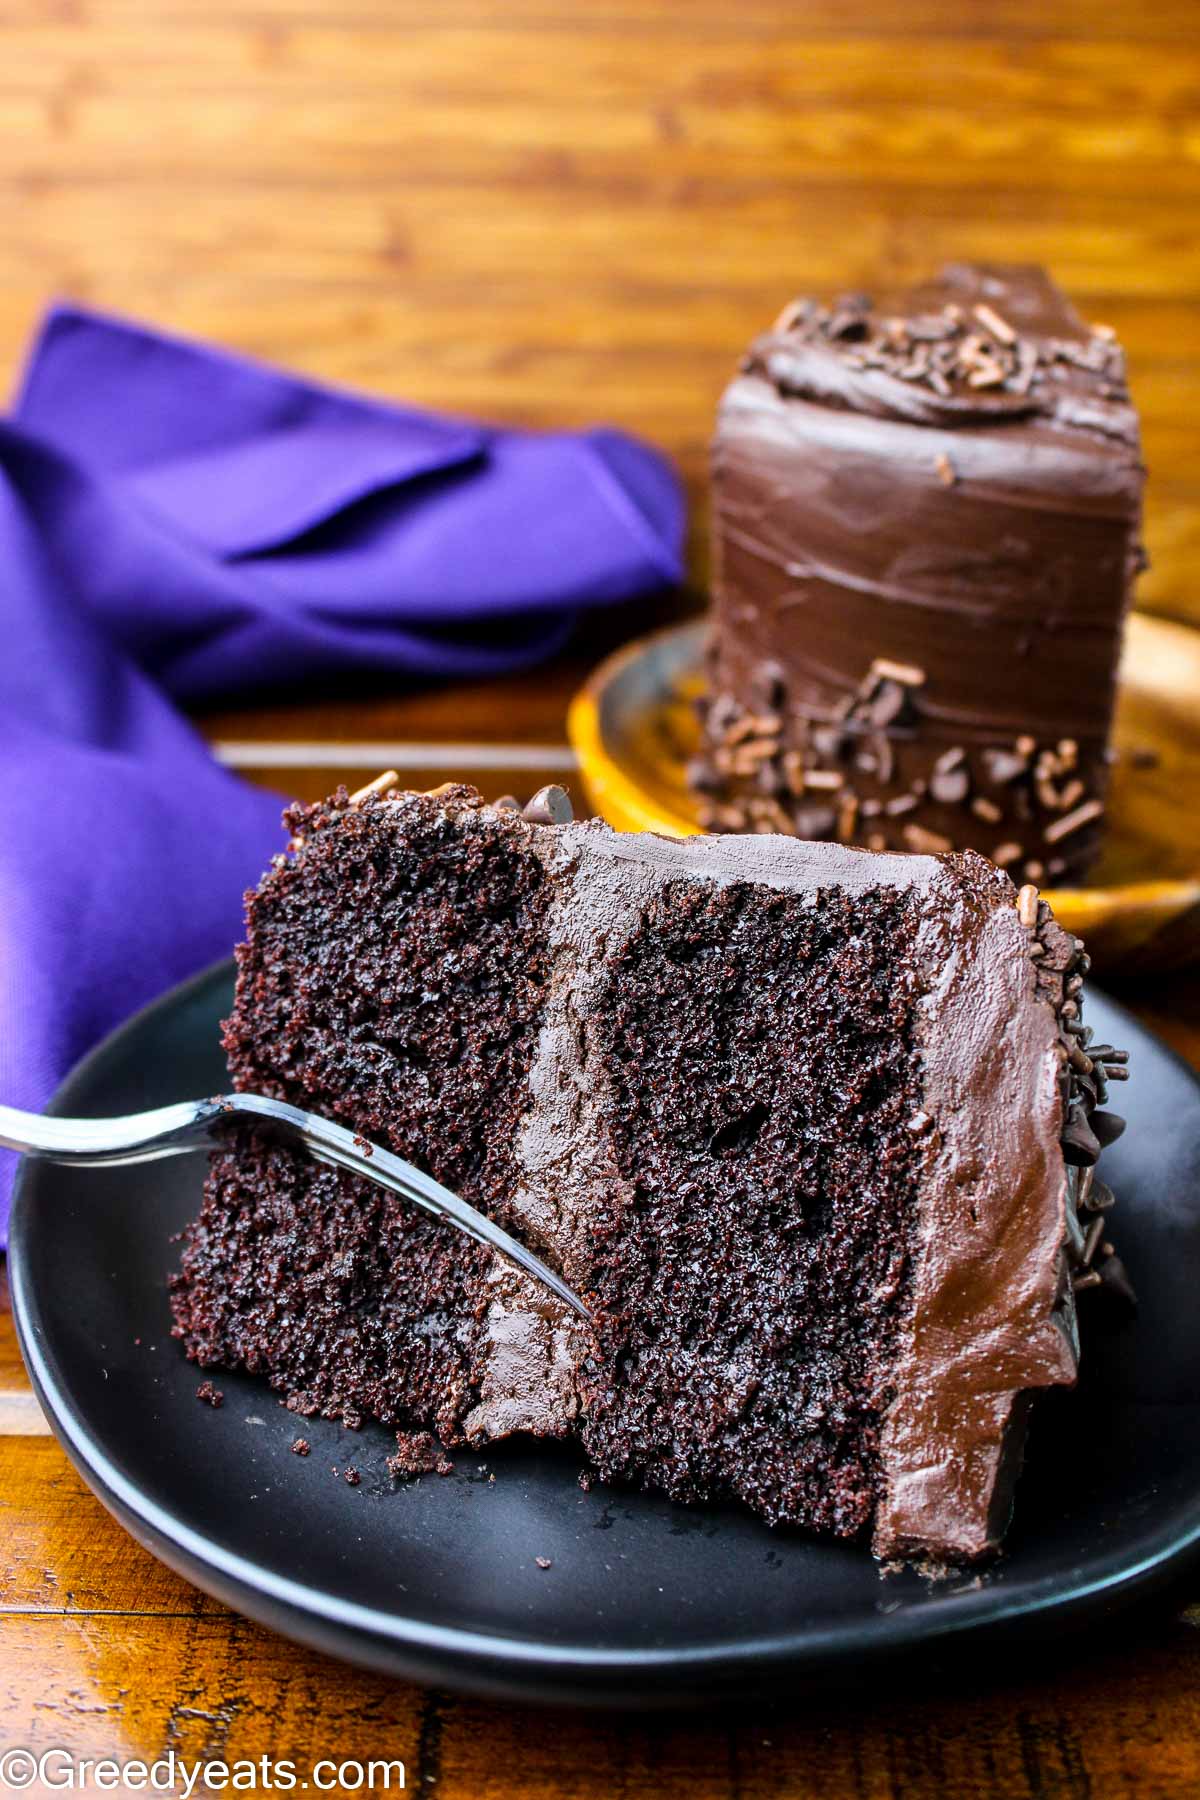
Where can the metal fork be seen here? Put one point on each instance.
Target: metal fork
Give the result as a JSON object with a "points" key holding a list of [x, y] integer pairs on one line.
{"points": [[178, 1130]]}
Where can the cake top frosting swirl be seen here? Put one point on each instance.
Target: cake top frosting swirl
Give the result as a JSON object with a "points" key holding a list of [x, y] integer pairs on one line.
{"points": [[982, 342]]}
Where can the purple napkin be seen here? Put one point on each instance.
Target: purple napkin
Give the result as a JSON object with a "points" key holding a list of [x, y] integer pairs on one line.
{"points": [[178, 524]]}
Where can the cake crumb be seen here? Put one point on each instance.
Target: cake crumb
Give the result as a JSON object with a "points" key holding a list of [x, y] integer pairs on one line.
{"points": [[543, 1562], [210, 1395], [301, 1447], [352, 1477], [418, 1453]]}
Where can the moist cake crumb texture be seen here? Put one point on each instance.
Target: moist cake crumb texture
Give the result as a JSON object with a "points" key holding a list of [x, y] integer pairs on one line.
{"points": [[418, 1453], [765, 1076], [391, 979]]}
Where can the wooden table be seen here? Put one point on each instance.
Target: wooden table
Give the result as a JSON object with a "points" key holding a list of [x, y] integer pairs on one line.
{"points": [[555, 211]]}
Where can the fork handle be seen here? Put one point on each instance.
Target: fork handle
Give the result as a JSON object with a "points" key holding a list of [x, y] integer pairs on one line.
{"points": [[133, 1137]]}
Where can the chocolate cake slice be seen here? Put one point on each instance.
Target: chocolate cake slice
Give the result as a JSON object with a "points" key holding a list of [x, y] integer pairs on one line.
{"points": [[809, 1128], [926, 518]]}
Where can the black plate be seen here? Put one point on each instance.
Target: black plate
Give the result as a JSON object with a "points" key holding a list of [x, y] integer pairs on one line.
{"points": [[644, 1602]]}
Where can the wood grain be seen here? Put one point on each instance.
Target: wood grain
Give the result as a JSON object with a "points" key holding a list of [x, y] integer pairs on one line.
{"points": [[558, 213], [12, 1372], [527, 710], [553, 212], [106, 1653], [236, 1688]]}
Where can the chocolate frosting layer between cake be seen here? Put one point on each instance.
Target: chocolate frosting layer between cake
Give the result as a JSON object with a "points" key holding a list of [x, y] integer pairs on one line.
{"points": [[991, 1314]]}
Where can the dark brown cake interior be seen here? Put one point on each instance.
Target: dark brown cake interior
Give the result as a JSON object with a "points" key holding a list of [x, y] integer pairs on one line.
{"points": [[761, 1050], [392, 978], [351, 1302]]}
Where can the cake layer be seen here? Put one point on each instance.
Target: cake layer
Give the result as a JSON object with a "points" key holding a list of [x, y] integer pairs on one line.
{"points": [[393, 978], [788, 1115], [761, 1079], [925, 533]]}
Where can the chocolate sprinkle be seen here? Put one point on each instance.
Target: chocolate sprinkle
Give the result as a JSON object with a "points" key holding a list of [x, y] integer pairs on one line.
{"points": [[1027, 906], [1107, 1127], [941, 351], [950, 786], [1074, 821], [1086, 1128], [550, 806], [929, 843], [1004, 766], [869, 731]]}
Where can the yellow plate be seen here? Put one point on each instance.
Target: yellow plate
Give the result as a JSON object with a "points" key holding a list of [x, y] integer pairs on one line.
{"points": [[633, 727]]}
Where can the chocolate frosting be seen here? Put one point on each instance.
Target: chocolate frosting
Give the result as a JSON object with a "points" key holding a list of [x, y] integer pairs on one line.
{"points": [[991, 1313], [992, 1316], [974, 521], [1078, 381]]}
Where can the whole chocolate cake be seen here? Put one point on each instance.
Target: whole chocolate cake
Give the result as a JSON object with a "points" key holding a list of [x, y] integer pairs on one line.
{"points": [[925, 534], [811, 1130]]}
